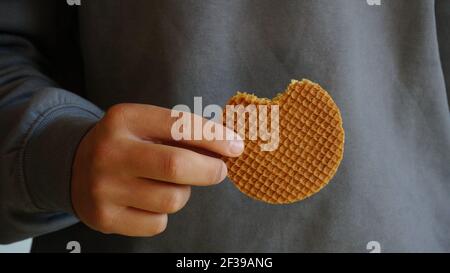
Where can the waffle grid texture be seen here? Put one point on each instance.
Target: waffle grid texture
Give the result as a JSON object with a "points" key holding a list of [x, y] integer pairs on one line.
{"points": [[310, 149]]}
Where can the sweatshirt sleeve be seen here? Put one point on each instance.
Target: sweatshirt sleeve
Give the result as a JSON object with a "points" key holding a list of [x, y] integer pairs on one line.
{"points": [[442, 24], [41, 125]]}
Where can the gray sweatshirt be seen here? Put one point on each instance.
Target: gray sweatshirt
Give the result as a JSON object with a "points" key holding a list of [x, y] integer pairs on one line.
{"points": [[387, 67]]}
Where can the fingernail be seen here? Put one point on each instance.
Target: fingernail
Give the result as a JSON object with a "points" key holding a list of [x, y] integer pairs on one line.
{"points": [[237, 147], [223, 172]]}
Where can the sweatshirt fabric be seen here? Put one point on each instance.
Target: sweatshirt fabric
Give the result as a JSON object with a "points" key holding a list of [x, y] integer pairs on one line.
{"points": [[386, 66]]}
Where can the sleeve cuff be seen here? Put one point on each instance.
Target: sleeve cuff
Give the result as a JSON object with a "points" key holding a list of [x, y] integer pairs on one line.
{"points": [[49, 153]]}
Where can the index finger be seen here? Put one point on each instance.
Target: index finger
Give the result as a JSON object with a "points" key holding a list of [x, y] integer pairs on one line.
{"points": [[152, 122]]}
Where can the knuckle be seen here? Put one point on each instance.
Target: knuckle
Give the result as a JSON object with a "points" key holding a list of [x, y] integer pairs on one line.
{"points": [[115, 116], [103, 220], [98, 189], [174, 201], [108, 151], [102, 151], [171, 166]]}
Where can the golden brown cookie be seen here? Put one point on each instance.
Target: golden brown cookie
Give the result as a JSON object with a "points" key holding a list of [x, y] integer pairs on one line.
{"points": [[310, 149]]}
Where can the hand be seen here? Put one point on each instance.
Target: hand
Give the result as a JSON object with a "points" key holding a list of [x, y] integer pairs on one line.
{"points": [[128, 174]]}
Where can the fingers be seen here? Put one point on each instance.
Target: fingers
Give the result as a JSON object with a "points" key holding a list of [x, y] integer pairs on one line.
{"points": [[134, 222], [154, 196], [152, 122], [173, 164], [125, 184]]}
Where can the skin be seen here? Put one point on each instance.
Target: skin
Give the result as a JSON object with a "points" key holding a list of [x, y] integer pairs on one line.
{"points": [[128, 174]]}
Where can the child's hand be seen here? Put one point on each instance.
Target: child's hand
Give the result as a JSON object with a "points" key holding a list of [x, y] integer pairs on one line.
{"points": [[127, 177]]}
